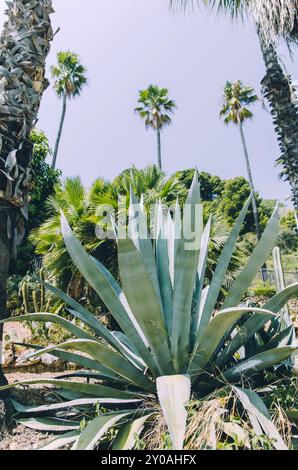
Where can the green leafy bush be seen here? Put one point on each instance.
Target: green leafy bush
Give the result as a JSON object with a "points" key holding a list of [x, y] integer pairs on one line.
{"points": [[262, 289]]}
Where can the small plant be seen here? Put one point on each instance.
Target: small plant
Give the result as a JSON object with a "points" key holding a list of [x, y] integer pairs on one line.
{"points": [[262, 289], [34, 300], [174, 343], [37, 291]]}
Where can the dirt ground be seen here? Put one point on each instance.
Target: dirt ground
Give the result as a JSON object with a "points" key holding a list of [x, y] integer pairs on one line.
{"points": [[21, 437]]}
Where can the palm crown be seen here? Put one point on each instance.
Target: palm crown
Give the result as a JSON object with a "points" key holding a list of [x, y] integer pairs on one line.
{"points": [[236, 98], [69, 75], [274, 18], [155, 106]]}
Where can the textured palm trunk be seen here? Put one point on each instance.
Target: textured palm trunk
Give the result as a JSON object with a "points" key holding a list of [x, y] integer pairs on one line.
{"points": [[159, 149], [250, 180], [277, 90], [24, 46], [54, 161]]}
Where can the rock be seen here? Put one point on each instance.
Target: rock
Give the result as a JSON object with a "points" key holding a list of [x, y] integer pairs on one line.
{"points": [[24, 360], [16, 332], [49, 360]]}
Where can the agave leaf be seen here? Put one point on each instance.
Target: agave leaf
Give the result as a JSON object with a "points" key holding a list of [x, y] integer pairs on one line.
{"points": [[96, 429], [284, 338], [77, 359], [61, 441], [126, 341], [122, 298], [170, 237], [84, 315], [141, 295], [259, 362], [48, 317], [244, 334], [186, 264], [220, 272], [115, 342], [49, 424], [138, 232], [255, 262], [108, 290], [278, 301], [217, 328], [163, 272], [109, 358], [127, 351], [89, 389], [112, 379], [196, 310], [177, 229], [25, 409], [126, 436], [256, 408], [114, 227], [173, 394]]}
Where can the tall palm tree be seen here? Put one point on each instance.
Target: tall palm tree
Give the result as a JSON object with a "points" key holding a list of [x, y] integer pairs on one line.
{"points": [[154, 108], [273, 19], [70, 78], [236, 99], [24, 46]]}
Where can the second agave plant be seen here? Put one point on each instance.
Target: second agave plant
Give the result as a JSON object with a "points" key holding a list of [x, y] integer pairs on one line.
{"points": [[175, 342]]}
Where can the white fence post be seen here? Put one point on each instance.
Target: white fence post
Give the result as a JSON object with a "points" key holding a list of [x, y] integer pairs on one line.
{"points": [[280, 282]]}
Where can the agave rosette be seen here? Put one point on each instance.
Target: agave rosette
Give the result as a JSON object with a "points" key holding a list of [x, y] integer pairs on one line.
{"points": [[174, 341]]}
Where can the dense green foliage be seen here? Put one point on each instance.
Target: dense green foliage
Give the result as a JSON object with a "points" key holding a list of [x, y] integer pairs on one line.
{"points": [[235, 191]]}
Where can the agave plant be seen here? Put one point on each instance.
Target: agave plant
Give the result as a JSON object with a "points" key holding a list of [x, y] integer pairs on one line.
{"points": [[172, 344]]}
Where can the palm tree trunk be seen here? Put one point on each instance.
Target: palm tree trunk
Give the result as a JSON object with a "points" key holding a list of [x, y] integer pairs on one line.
{"points": [[250, 180], [24, 46], [159, 149], [277, 90], [54, 161]]}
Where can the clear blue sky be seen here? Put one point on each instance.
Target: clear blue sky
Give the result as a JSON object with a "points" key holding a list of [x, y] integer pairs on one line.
{"points": [[127, 44]]}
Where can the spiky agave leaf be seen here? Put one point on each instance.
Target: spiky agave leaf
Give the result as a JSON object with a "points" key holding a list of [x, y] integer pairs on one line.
{"points": [[174, 393]]}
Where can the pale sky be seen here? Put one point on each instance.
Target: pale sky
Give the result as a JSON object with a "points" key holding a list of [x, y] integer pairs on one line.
{"points": [[128, 44]]}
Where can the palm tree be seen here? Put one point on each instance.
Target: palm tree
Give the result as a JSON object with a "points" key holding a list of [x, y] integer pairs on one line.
{"points": [[154, 109], [273, 19], [69, 75], [24, 46], [236, 99]]}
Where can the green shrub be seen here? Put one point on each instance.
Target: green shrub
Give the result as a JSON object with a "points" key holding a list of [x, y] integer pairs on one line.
{"points": [[288, 241], [262, 289]]}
